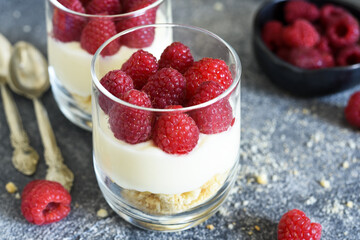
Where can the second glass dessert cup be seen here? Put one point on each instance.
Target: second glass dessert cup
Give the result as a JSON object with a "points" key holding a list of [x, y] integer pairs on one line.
{"points": [[70, 50], [146, 185]]}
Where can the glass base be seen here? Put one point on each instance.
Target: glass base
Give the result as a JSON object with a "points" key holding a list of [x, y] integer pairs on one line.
{"points": [[165, 223], [68, 105]]}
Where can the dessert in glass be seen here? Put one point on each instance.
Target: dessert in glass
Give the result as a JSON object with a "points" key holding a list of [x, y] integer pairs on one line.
{"points": [[166, 128], [77, 28]]}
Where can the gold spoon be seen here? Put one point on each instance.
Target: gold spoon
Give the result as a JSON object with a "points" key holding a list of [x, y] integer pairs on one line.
{"points": [[29, 77], [24, 158]]}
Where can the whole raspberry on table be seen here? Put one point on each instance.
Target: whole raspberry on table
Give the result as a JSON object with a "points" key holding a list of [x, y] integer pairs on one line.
{"points": [[140, 66], [310, 58], [207, 69], [300, 34], [166, 87], [300, 9], [215, 118], [175, 133], [117, 83], [95, 33], [295, 225], [143, 37], [177, 56], [44, 202], [330, 13], [68, 27], [348, 56], [343, 32], [129, 124], [111, 7], [352, 110], [271, 34]]}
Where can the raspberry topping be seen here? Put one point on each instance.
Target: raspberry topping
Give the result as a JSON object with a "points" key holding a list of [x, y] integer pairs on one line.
{"points": [[330, 13], [117, 83], [129, 124], [310, 58], [300, 9], [95, 33], [68, 27], [143, 37], [111, 7], [215, 118], [295, 225], [348, 56], [177, 56], [300, 34], [352, 110], [166, 87], [131, 4], [271, 34], [207, 69], [140, 66], [323, 45], [175, 133], [44, 202], [343, 32]]}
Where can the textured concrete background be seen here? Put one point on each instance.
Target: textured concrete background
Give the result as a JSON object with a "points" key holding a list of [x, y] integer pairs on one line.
{"points": [[294, 142]]}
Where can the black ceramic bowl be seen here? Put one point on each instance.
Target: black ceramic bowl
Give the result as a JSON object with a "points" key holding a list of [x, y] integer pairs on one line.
{"points": [[298, 81]]}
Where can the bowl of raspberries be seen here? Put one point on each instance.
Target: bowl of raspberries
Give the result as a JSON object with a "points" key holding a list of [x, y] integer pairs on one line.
{"points": [[308, 47]]}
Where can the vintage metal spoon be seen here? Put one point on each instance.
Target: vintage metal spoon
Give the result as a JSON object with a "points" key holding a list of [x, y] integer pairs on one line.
{"points": [[29, 77], [24, 158]]}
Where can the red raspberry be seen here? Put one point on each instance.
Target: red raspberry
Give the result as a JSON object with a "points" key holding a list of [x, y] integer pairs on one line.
{"points": [[111, 7], [323, 45], [140, 66], [85, 2], [348, 56], [300, 34], [207, 69], [143, 37], [129, 124], [175, 133], [129, 4], [310, 58], [343, 32], [95, 33], [283, 53], [300, 9], [166, 87], [295, 225], [215, 118], [330, 13], [177, 56], [271, 34], [67, 27], [44, 202], [117, 83], [352, 110]]}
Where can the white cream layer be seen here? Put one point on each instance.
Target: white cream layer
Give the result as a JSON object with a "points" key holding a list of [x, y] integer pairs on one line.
{"points": [[145, 167]]}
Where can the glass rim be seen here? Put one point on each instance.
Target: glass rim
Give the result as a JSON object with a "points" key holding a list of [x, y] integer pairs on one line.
{"points": [[227, 92], [123, 15]]}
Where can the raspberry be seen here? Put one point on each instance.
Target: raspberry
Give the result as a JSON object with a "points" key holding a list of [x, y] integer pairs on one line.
{"points": [[175, 133], [177, 56], [143, 37], [283, 53], [295, 225], [299, 9], [352, 110], [323, 45], [67, 27], [95, 33], [140, 66], [207, 69], [129, 4], [271, 34], [166, 87], [44, 202], [117, 83], [310, 58], [129, 124], [300, 34], [111, 7], [330, 13], [85, 2], [215, 118], [348, 56], [343, 32]]}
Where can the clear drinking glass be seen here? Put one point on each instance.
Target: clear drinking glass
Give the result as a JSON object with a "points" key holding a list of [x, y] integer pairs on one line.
{"points": [[69, 62], [146, 186]]}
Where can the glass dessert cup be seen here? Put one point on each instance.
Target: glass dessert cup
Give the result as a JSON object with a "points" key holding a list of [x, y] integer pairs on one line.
{"points": [[69, 62], [146, 186]]}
